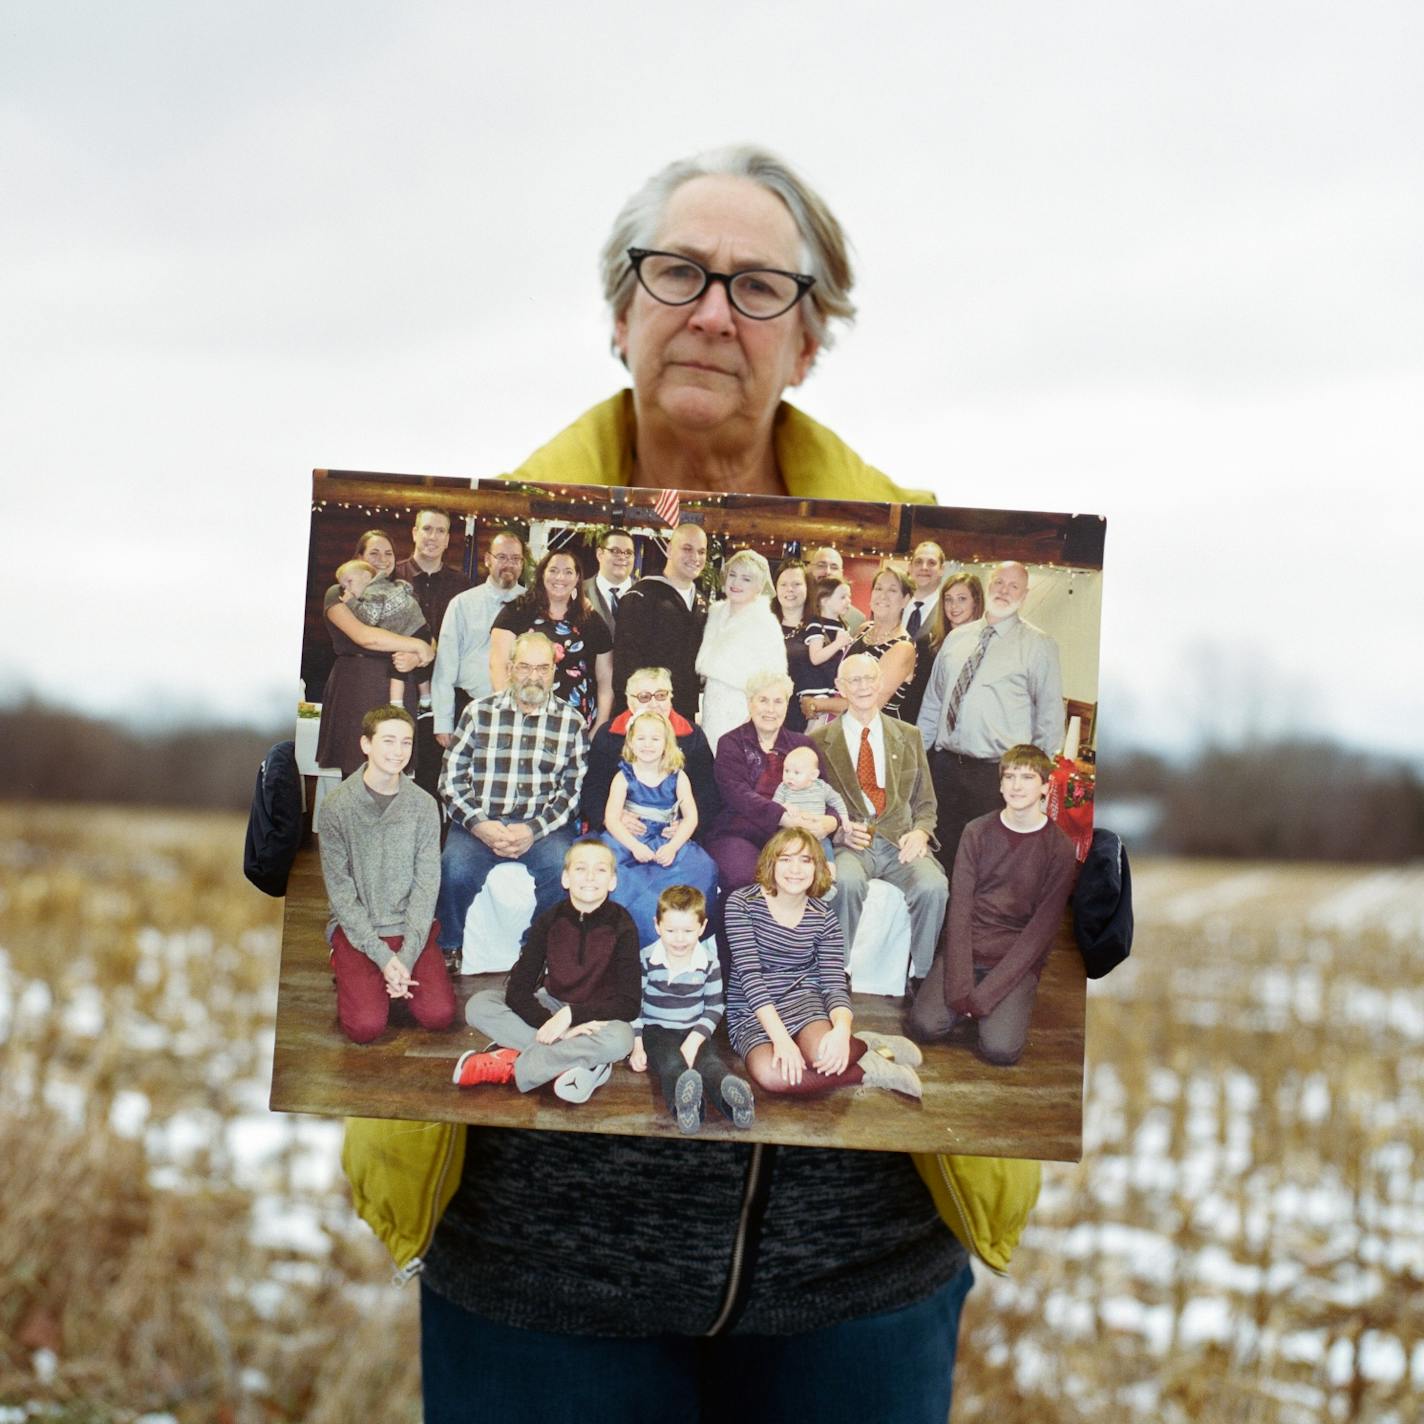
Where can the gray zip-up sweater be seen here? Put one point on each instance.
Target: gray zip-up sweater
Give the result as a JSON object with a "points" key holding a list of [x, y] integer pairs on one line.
{"points": [[381, 867]]}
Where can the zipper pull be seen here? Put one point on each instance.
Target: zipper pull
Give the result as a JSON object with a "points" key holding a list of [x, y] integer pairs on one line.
{"points": [[402, 1275]]}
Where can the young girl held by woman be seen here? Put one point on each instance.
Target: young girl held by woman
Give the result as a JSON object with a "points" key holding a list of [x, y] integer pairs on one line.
{"points": [[649, 822], [826, 637]]}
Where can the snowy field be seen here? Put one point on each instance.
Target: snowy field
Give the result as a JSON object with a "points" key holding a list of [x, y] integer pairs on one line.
{"points": [[1244, 1241]]}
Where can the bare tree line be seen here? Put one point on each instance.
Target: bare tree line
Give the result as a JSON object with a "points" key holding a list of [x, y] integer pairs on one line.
{"points": [[50, 754], [1286, 798]]}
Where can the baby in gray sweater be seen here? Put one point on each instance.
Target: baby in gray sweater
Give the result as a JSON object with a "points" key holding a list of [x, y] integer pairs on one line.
{"points": [[802, 789], [383, 602]]}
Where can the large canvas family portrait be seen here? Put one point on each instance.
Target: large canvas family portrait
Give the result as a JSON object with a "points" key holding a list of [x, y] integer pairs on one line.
{"points": [[722, 817]]}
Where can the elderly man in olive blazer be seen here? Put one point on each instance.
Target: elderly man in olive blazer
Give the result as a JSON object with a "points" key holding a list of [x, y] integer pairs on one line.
{"points": [[878, 765]]}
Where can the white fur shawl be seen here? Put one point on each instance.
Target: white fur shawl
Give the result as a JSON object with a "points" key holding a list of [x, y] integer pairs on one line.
{"points": [[735, 648]]}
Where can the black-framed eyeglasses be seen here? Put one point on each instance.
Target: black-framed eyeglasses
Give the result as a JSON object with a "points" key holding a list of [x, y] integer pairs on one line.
{"points": [[677, 280]]}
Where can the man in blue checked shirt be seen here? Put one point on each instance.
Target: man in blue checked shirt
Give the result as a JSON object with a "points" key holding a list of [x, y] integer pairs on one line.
{"points": [[511, 782]]}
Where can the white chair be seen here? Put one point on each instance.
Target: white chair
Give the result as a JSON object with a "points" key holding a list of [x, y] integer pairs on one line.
{"points": [[880, 957], [497, 921]]}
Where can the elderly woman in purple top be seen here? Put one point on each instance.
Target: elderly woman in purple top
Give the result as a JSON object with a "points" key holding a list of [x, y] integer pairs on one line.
{"points": [[748, 771]]}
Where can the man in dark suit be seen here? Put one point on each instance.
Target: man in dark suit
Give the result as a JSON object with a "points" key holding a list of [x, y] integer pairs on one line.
{"points": [[614, 578], [926, 573], [878, 765]]}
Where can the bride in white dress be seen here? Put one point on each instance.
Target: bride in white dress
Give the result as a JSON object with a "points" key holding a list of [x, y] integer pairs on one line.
{"points": [[742, 637]]}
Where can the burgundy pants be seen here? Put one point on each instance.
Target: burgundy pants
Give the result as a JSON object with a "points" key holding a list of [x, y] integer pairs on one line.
{"points": [[363, 1007]]}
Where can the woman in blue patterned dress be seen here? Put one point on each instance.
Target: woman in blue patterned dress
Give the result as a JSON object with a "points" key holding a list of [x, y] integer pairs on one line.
{"points": [[555, 605], [788, 1008]]}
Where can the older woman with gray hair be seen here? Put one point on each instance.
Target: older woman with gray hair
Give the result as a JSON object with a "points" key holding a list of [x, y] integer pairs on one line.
{"points": [[748, 767], [722, 275], [742, 639]]}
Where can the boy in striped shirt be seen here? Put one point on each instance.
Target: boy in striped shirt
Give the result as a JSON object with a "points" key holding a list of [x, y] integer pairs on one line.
{"points": [[682, 1005]]}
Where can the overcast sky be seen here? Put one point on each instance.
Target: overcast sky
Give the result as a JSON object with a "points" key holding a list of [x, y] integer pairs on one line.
{"points": [[1160, 263]]}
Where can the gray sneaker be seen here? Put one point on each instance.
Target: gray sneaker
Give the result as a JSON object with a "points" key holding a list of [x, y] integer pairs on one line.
{"points": [[577, 1085], [737, 1094], [894, 1077], [687, 1100], [892, 1046]]}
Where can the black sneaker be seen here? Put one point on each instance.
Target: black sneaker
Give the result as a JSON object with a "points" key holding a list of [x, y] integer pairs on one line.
{"points": [[687, 1100], [737, 1094]]}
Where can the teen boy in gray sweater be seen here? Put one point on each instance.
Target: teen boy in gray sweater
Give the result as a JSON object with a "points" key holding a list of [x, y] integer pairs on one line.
{"points": [[380, 859]]}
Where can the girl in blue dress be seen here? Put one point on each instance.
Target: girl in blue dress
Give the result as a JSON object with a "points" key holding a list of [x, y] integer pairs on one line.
{"points": [[649, 822]]}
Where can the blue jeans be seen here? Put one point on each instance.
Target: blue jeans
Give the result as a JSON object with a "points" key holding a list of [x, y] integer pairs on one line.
{"points": [[466, 862], [895, 1368]]}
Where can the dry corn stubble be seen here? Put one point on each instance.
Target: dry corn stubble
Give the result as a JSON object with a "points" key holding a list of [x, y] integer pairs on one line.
{"points": [[146, 1188], [1242, 1243]]}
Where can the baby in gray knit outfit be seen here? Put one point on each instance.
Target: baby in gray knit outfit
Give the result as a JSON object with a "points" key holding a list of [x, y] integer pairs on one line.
{"points": [[383, 602], [802, 789]]}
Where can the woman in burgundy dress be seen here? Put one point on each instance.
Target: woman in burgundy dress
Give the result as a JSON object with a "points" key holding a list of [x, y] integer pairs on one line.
{"points": [[360, 676]]}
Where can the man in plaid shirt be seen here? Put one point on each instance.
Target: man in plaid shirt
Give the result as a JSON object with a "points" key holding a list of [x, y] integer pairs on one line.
{"points": [[511, 781]]}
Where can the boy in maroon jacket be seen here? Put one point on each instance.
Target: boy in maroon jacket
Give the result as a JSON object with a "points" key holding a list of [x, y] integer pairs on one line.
{"points": [[566, 1009], [1013, 873]]}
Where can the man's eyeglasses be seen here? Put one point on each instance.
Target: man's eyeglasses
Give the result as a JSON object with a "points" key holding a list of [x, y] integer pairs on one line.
{"points": [[533, 669], [646, 697], [758, 292]]}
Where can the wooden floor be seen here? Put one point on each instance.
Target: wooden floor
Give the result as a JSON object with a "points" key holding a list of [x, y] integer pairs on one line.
{"points": [[1033, 1109]]}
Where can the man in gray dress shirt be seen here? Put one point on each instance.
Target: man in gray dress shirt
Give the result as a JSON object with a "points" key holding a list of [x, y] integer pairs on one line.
{"points": [[462, 654], [996, 684]]}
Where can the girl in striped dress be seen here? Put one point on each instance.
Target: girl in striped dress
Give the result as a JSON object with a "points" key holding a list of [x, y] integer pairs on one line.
{"points": [[788, 1009]]}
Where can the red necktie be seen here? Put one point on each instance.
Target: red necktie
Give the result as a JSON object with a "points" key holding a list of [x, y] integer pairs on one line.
{"points": [[865, 774]]}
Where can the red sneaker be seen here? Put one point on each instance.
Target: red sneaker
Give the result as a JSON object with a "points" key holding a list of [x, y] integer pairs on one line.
{"points": [[473, 1067]]}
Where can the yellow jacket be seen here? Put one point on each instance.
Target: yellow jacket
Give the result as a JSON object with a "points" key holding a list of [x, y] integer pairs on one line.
{"points": [[403, 1174], [597, 449]]}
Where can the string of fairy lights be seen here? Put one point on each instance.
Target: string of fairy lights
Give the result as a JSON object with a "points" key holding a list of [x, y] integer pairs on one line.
{"points": [[560, 534]]}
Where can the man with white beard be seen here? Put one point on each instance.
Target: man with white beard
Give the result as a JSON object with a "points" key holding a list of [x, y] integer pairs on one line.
{"points": [[996, 684], [510, 783]]}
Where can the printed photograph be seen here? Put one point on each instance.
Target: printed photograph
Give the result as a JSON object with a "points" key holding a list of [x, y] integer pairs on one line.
{"points": [[726, 817]]}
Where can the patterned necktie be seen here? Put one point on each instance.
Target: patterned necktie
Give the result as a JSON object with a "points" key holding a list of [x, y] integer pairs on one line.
{"points": [[966, 676], [613, 597], [865, 774], [912, 623]]}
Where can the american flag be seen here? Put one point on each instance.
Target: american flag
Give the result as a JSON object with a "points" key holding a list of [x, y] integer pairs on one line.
{"points": [[665, 507]]}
